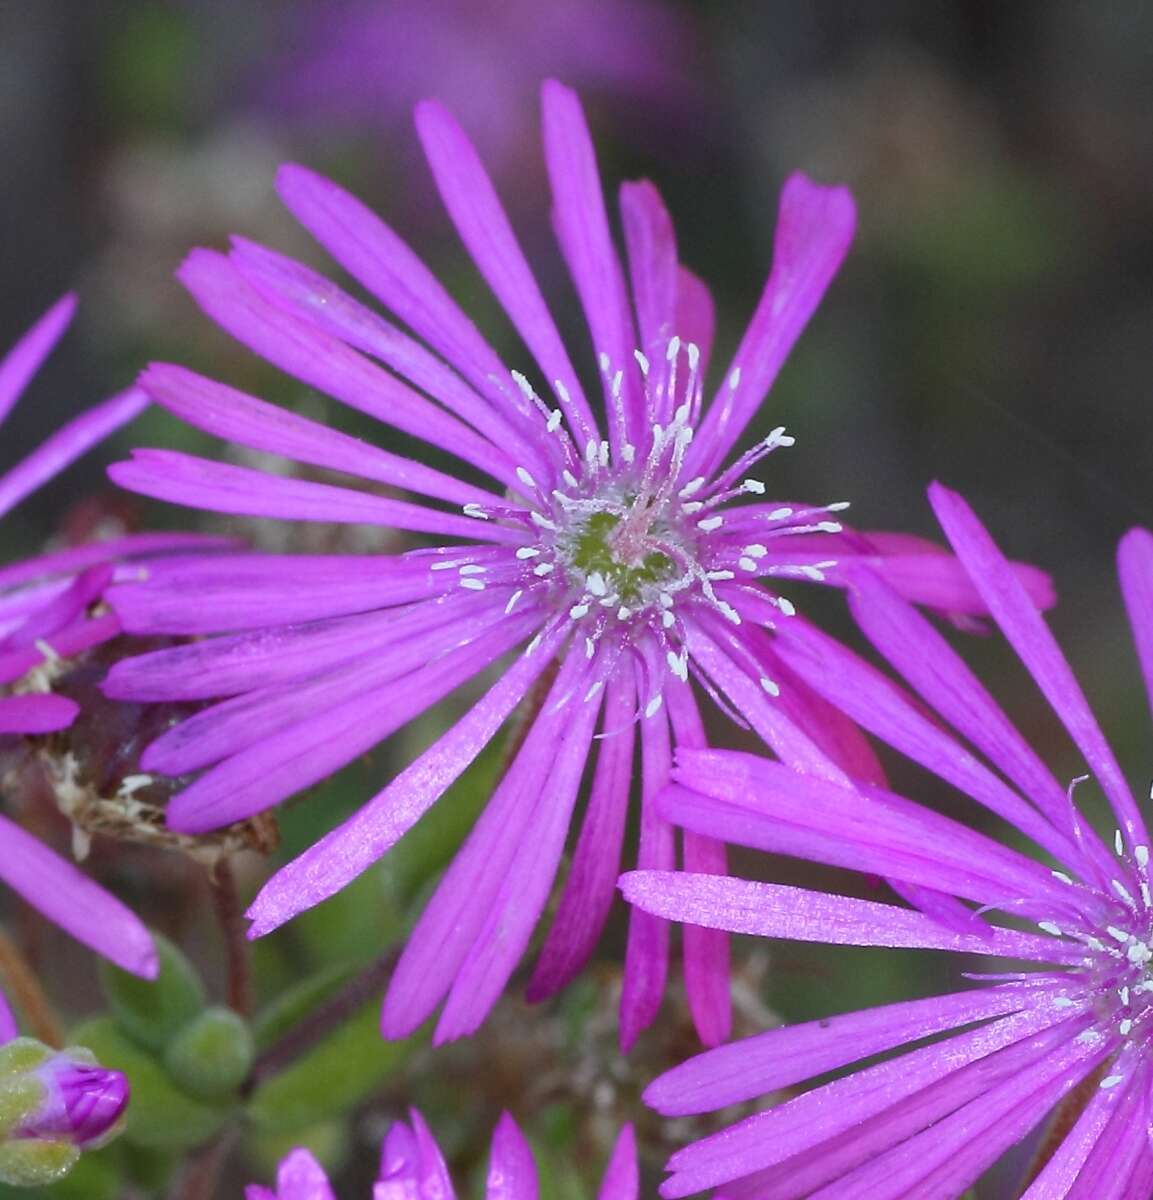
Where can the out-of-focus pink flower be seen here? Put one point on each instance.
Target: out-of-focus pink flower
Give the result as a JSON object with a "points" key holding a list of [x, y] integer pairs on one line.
{"points": [[412, 1168]]}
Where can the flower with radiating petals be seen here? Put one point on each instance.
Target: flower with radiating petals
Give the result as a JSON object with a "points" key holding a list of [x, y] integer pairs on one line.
{"points": [[412, 1168], [1070, 1024], [49, 612], [626, 554]]}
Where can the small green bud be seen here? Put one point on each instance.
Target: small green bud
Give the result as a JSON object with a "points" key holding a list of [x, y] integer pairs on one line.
{"points": [[212, 1055], [151, 1012], [34, 1164]]}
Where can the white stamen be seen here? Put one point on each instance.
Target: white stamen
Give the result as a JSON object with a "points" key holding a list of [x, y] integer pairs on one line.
{"points": [[473, 585], [604, 362], [446, 565], [629, 452], [590, 647], [541, 521], [50, 655], [691, 506], [756, 550], [1139, 954], [525, 477], [753, 486], [578, 610], [543, 569], [527, 552], [554, 420], [1125, 1027], [1141, 854], [1110, 1081], [708, 524], [735, 378], [716, 575], [532, 645], [787, 607], [1061, 877], [772, 688], [596, 687], [668, 619], [569, 478], [747, 564], [472, 569], [1049, 927], [1122, 891], [1118, 934], [780, 514], [524, 385], [1118, 842], [596, 584], [654, 705], [474, 510], [642, 361], [693, 485], [512, 601]]}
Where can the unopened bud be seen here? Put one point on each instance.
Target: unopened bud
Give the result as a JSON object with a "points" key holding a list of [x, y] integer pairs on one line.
{"points": [[53, 1104]]}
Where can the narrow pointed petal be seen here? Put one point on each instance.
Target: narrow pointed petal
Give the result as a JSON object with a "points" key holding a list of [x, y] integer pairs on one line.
{"points": [[696, 319], [22, 362], [254, 591], [1023, 626], [503, 938], [1062, 1170], [375, 256], [304, 749], [1135, 569], [814, 229], [582, 229], [70, 899], [775, 910], [591, 885], [705, 951], [902, 1095], [301, 1177], [67, 444], [341, 855], [33, 713], [647, 948], [480, 219], [305, 351], [782, 1058], [511, 1167], [652, 256], [238, 417], [221, 487], [622, 1175]]}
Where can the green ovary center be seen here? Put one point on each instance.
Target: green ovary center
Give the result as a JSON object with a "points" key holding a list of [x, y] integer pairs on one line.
{"points": [[594, 551]]}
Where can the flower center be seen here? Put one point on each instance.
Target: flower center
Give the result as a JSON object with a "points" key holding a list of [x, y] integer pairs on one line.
{"points": [[614, 557]]}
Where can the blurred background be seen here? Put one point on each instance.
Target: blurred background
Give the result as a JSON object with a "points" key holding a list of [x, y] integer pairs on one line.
{"points": [[993, 326]]}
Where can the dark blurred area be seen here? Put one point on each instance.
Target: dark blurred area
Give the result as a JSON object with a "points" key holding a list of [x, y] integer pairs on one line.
{"points": [[993, 326]]}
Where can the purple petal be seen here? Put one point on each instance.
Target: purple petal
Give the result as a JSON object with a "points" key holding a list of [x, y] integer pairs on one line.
{"points": [[226, 666], [311, 297], [524, 890], [1135, 570], [468, 914], [237, 417], [373, 254], [582, 228], [902, 1095], [67, 444], [476, 211], [763, 804], [36, 714], [705, 951], [781, 1058], [324, 362], [8, 1027], [411, 1165], [774, 910], [647, 948], [591, 885], [696, 319], [652, 255], [1064, 1167], [1121, 1151], [947, 1158], [301, 1177], [622, 1175], [356, 844], [879, 706], [1023, 626], [243, 591], [350, 715], [511, 1168], [221, 487], [814, 229], [71, 900], [21, 363]]}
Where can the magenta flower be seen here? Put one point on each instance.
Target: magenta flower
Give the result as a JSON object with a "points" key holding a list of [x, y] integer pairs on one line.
{"points": [[1076, 1013], [77, 1100], [361, 64], [412, 1168], [626, 555]]}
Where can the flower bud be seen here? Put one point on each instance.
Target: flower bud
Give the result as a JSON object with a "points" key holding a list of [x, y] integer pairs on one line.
{"points": [[53, 1104]]}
